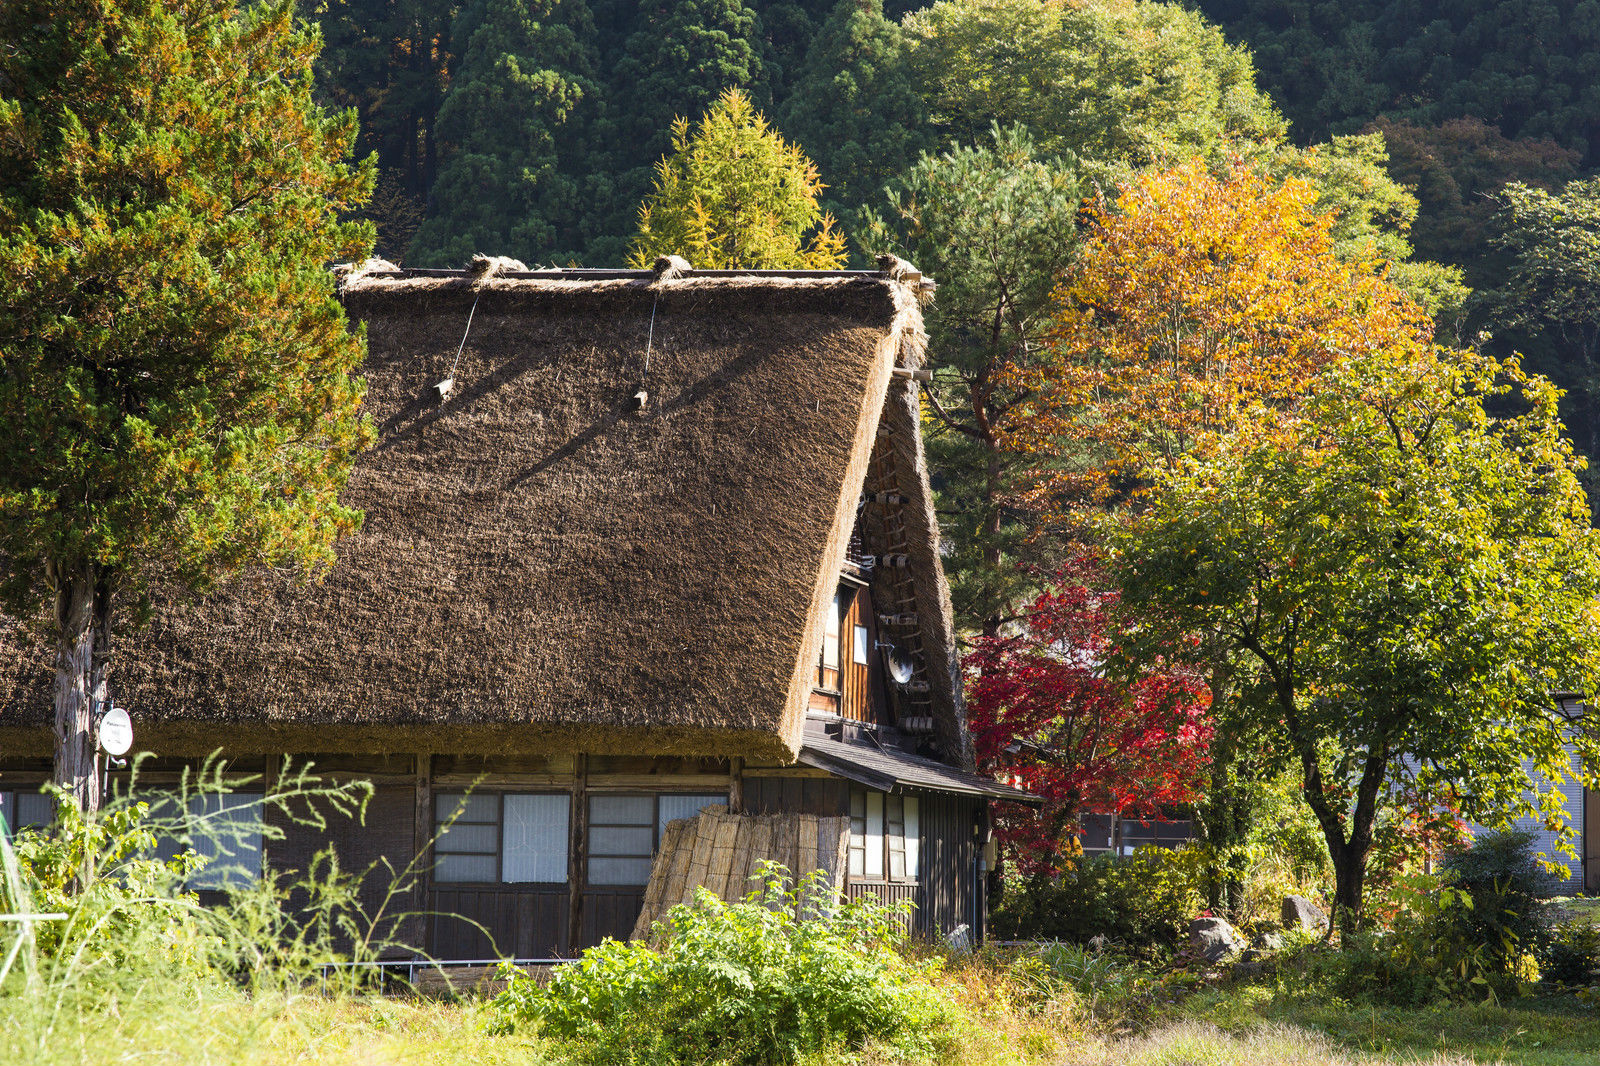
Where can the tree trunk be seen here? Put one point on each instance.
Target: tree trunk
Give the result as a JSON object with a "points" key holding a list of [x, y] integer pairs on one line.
{"points": [[1349, 878], [74, 707]]}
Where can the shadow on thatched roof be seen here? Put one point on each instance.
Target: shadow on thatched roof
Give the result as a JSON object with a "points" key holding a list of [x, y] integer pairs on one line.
{"points": [[548, 559]]}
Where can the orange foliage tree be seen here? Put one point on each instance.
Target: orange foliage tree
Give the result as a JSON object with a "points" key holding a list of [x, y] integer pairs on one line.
{"points": [[1202, 306], [1200, 302]]}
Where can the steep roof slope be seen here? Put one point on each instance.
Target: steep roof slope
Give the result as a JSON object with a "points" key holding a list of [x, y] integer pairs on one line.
{"points": [[540, 560]]}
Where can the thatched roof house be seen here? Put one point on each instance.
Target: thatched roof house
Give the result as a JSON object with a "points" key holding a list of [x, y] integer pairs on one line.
{"points": [[622, 531]]}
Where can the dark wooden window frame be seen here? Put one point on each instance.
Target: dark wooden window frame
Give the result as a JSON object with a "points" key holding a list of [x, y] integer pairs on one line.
{"points": [[499, 836]]}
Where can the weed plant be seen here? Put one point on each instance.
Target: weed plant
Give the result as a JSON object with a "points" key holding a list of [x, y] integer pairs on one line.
{"points": [[787, 972], [110, 939]]}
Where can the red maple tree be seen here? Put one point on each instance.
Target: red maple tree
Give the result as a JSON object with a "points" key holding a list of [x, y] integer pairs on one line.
{"points": [[1045, 713]]}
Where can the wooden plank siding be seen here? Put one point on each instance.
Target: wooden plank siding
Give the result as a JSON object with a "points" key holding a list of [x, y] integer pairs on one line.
{"points": [[859, 680], [948, 876], [854, 690], [823, 796], [383, 844], [518, 921]]}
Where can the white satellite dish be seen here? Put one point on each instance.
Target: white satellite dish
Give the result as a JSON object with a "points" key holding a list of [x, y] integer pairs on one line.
{"points": [[900, 665], [116, 732]]}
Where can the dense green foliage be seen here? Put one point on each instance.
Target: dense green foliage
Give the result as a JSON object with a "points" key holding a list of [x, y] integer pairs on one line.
{"points": [[1528, 67], [1551, 291], [1140, 901], [515, 123], [1404, 577], [784, 973]]}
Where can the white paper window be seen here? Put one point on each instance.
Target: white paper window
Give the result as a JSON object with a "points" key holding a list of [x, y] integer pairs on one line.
{"points": [[830, 636], [885, 836], [512, 838], [913, 813], [624, 832], [874, 843], [860, 656], [671, 808], [26, 810], [226, 830], [534, 844], [622, 839]]}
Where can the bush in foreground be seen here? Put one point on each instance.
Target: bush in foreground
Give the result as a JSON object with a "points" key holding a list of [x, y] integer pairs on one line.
{"points": [[784, 973]]}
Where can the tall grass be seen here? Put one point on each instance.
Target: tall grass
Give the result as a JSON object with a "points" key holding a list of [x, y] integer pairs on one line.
{"points": [[134, 956]]}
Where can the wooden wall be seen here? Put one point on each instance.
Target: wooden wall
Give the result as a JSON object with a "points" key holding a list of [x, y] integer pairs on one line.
{"points": [[947, 887]]}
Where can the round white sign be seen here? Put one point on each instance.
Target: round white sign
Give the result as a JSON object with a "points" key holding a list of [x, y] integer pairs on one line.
{"points": [[116, 732]]}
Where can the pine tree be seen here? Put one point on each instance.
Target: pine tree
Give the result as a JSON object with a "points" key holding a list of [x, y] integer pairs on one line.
{"points": [[997, 226], [735, 195], [512, 126], [680, 57], [856, 108], [176, 389]]}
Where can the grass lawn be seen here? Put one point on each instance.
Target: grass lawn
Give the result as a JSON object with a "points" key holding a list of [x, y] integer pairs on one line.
{"points": [[1240, 1027], [1550, 1031]]}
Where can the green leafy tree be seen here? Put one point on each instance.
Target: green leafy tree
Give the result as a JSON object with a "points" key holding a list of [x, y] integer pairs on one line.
{"points": [[856, 107], [1405, 581], [1127, 82], [734, 194], [999, 225], [176, 383], [513, 126], [1552, 290]]}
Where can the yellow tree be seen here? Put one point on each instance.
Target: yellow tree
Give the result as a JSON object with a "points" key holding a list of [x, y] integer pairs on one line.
{"points": [[733, 195], [1198, 298]]}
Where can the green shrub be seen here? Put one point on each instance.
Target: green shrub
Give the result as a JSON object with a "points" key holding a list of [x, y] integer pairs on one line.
{"points": [[1572, 954], [785, 973], [1141, 901]]}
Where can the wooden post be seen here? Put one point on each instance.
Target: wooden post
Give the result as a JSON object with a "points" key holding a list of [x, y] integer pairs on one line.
{"points": [[736, 785], [575, 852], [422, 847]]}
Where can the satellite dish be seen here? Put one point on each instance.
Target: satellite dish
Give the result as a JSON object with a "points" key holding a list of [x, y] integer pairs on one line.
{"points": [[116, 732], [900, 665]]}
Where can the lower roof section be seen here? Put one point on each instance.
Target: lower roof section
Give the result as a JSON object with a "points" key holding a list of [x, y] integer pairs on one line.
{"points": [[888, 770]]}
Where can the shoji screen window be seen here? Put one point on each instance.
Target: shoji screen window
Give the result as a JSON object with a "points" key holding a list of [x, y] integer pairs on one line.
{"points": [[624, 831], [509, 838], [222, 828], [885, 836]]}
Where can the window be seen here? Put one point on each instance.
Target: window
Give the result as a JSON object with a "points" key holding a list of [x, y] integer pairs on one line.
{"points": [[828, 640], [624, 831], [26, 810], [861, 644], [885, 835], [223, 828], [512, 837], [1102, 833]]}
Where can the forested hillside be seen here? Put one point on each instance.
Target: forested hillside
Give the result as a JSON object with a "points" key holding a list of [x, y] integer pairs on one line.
{"points": [[966, 135]]}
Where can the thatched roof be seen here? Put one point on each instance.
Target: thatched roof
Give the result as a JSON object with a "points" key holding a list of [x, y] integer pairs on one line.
{"points": [[542, 565]]}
